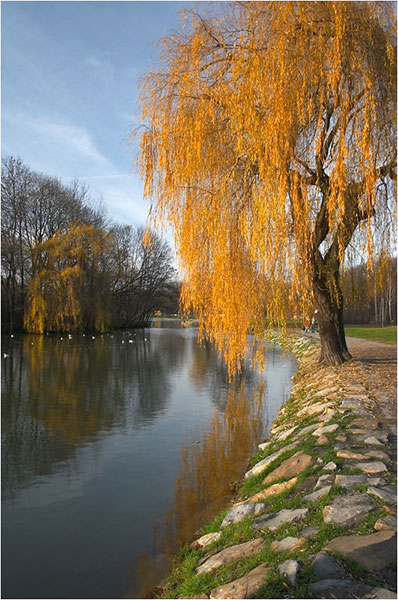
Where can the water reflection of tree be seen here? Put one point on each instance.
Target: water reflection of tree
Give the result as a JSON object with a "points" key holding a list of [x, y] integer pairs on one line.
{"points": [[209, 371], [59, 394], [27, 446], [203, 486]]}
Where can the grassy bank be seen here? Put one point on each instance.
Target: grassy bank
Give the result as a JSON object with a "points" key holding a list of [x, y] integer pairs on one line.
{"points": [[386, 335], [314, 386]]}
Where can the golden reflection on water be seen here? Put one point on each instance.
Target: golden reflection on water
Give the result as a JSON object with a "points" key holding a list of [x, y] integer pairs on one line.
{"points": [[208, 469], [60, 402]]}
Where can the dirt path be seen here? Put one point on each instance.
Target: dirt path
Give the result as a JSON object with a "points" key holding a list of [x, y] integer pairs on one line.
{"points": [[380, 367], [375, 365]]}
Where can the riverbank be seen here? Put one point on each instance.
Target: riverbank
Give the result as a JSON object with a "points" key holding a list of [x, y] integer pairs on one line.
{"points": [[316, 512]]}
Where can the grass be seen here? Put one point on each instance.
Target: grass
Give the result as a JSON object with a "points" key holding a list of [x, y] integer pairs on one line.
{"points": [[387, 335]]}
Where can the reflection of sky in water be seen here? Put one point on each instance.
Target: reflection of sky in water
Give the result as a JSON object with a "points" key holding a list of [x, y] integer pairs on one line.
{"points": [[92, 436]]}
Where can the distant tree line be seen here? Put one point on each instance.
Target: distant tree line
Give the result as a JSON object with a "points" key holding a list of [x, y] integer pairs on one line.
{"points": [[370, 292], [66, 267]]}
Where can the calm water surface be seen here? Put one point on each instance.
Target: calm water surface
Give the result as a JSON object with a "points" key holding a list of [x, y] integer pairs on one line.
{"points": [[106, 450]]}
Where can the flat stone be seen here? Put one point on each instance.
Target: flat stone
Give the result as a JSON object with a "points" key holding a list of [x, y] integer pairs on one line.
{"points": [[264, 445], [340, 446], [357, 394], [307, 429], [349, 454], [385, 523], [373, 552], [309, 532], [244, 587], [288, 544], [326, 566], [240, 512], [387, 494], [351, 404], [324, 480], [341, 438], [382, 593], [378, 454], [274, 520], [317, 494], [339, 588], [380, 436], [365, 423], [263, 464], [276, 428], [326, 429], [290, 569], [290, 467], [376, 481], [274, 490], [349, 481], [281, 437], [313, 409], [370, 467], [372, 441], [360, 432], [323, 440], [207, 539], [327, 391], [231, 554], [203, 596], [326, 417], [356, 390], [330, 466], [348, 510]]}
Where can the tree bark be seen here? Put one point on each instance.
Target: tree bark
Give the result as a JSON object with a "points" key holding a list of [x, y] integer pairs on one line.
{"points": [[329, 303]]}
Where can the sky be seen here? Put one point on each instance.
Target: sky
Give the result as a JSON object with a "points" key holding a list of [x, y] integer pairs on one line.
{"points": [[69, 91]]}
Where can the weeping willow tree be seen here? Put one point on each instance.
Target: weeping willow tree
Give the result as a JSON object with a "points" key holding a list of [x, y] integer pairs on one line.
{"points": [[71, 290], [268, 139]]}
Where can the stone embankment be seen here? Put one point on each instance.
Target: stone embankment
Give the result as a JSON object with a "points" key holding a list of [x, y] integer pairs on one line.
{"points": [[316, 513]]}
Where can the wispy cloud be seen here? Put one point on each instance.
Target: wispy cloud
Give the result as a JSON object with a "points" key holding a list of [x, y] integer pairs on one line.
{"points": [[67, 150], [70, 136]]}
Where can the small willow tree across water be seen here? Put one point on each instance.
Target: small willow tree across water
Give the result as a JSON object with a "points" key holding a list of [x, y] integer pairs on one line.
{"points": [[269, 139]]}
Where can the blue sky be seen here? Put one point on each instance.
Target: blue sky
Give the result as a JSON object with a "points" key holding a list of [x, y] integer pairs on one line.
{"points": [[69, 90]]}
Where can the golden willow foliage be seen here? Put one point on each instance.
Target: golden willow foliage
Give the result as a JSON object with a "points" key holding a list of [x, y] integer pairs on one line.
{"points": [[267, 131], [67, 292]]}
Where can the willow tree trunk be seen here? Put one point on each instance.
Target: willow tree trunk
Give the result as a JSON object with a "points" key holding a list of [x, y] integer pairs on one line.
{"points": [[329, 303]]}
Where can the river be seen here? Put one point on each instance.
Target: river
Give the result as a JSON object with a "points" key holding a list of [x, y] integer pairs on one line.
{"points": [[115, 449]]}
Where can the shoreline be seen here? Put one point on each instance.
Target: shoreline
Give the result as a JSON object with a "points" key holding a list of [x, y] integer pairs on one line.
{"points": [[327, 501]]}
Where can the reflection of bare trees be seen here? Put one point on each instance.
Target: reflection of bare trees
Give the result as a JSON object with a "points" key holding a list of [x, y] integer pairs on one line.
{"points": [[58, 394], [209, 371], [206, 473]]}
